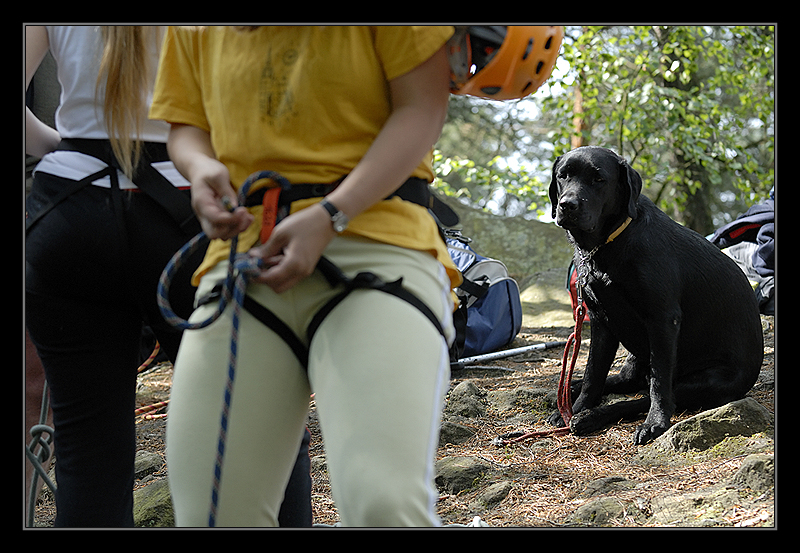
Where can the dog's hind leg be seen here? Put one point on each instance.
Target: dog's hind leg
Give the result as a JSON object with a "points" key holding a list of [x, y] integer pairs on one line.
{"points": [[711, 387], [631, 378]]}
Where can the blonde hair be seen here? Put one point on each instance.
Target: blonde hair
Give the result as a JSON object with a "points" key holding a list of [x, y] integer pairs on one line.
{"points": [[124, 69]]}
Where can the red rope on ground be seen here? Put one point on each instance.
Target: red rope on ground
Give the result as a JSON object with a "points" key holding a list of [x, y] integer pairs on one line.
{"points": [[564, 398], [148, 408], [149, 360]]}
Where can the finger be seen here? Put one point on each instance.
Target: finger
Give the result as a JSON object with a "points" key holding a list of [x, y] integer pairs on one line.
{"points": [[223, 224], [282, 272]]}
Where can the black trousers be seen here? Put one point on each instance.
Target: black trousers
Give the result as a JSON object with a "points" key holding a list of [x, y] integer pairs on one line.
{"points": [[92, 267]]}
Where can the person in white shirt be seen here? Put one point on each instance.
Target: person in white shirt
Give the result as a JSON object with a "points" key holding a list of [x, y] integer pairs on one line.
{"points": [[106, 212]]}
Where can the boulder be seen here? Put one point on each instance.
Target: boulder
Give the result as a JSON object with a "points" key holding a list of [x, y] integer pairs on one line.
{"points": [[742, 424], [525, 246]]}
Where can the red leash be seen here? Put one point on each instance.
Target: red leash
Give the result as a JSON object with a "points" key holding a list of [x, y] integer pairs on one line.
{"points": [[564, 398], [564, 401]]}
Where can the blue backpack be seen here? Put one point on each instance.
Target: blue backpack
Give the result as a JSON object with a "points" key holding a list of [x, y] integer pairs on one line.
{"points": [[490, 313]]}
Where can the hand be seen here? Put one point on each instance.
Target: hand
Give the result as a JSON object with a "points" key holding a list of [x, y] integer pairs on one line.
{"points": [[292, 251], [193, 155], [210, 183]]}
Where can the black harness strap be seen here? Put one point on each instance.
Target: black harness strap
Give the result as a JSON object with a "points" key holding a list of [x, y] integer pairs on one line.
{"points": [[414, 190], [146, 177], [334, 275], [62, 195], [473, 288], [271, 321], [365, 281]]}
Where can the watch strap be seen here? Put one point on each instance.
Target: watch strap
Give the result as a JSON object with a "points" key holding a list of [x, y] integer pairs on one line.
{"points": [[338, 219]]}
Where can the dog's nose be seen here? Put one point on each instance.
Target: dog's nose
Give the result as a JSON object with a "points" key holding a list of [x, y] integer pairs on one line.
{"points": [[568, 203]]}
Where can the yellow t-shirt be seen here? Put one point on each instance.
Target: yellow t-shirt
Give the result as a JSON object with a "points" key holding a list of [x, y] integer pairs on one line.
{"points": [[304, 101]]}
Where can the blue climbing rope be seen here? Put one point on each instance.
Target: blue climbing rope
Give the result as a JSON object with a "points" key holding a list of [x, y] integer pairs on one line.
{"points": [[241, 268]]}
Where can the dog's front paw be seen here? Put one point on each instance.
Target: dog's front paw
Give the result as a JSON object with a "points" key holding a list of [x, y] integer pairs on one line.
{"points": [[646, 433], [556, 420], [586, 422]]}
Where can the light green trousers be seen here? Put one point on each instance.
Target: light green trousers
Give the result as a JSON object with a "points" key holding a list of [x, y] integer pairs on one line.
{"points": [[379, 371]]}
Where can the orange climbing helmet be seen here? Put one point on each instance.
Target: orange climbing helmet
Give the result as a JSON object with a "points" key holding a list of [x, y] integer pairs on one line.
{"points": [[502, 62]]}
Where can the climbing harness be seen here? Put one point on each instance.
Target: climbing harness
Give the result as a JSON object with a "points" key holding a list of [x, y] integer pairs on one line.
{"points": [[151, 182], [241, 268], [39, 450]]}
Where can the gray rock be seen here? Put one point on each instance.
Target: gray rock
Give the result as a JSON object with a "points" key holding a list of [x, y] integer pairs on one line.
{"points": [[603, 486], [704, 430], [757, 473], [508, 401], [492, 495], [466, 400], [152, 506], [146, 463], [456, 474], [741, 424], [706, 507], [600, 512], [454, 433]]}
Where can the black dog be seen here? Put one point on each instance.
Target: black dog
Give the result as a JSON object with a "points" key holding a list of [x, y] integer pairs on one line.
{"points": [[682, 309]]}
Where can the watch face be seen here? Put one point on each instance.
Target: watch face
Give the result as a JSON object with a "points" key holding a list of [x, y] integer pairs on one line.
{"points": [[339, 222], [338, 219]]}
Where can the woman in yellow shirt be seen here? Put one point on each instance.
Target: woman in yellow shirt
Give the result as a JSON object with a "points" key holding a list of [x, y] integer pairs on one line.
{"points": [[358, 109]]}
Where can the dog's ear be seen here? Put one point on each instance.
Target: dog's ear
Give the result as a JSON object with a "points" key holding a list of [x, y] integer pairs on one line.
{"points": [[554, 188], [631, 186]]}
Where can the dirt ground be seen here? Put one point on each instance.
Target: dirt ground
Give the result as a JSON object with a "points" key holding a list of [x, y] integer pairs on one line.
{"points": [[547, 475], [551, 475]]}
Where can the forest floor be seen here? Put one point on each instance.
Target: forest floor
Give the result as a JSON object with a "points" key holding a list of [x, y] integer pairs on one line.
{"points": [[549, 476]]}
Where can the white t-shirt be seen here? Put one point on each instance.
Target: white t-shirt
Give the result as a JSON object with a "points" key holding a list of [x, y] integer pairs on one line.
{"points": [[77, 51]]}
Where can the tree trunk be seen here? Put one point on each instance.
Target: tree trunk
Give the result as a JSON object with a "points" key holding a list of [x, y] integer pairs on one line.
{"points": [[578, 120], [696, 211]]}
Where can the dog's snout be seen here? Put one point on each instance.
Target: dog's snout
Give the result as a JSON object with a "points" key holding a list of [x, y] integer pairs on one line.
{"points": [[568, 203]]}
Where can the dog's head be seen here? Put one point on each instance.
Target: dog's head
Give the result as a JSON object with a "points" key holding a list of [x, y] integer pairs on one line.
{"points": [[591, 186]]}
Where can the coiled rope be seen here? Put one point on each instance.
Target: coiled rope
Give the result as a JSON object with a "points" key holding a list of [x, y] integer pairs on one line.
{"points": [[241, 268]]}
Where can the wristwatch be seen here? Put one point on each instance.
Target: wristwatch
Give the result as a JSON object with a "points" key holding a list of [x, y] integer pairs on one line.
{"points": [[338, 219]]}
